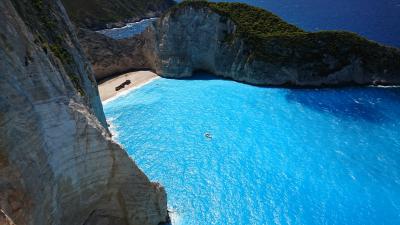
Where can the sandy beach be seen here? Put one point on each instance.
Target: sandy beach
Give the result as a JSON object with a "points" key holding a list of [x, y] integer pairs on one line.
{"points": [[139, 78]]}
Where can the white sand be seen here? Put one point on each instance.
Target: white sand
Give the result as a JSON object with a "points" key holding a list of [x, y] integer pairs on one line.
{"points": [[138, 79]]}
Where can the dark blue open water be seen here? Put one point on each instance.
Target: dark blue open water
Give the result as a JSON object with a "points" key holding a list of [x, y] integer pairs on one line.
{"points": [[275, 156]]}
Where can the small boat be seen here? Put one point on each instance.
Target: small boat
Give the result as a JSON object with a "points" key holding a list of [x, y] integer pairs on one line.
{"points": [[208, 135]]}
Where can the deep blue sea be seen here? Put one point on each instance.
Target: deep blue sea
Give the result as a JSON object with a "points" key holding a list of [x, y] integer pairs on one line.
{"points": [[273, 156]]}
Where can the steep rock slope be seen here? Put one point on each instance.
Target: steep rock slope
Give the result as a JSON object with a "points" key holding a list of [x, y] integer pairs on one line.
{"points": [[251, 45], [109, 57], [58, 164], [100, 14]]}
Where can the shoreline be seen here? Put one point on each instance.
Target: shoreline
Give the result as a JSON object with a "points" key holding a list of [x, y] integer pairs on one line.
{"points": [[138, 79], [142, 77]]}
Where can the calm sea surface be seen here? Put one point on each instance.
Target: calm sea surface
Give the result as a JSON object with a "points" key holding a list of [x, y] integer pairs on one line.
{"points": [[273, 156]]}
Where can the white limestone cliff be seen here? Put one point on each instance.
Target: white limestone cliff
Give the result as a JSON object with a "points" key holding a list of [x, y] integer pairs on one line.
{"points": [[58, 164], [197, 36]]}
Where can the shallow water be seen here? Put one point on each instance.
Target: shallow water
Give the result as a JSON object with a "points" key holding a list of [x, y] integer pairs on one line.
{"points": [[275, 156]]}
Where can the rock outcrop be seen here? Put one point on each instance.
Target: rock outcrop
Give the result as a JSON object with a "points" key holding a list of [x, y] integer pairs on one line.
{"points": [[251, 45], [109, 57], [58, 164]]}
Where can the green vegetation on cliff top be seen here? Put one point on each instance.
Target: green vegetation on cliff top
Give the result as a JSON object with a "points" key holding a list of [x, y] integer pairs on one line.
{"points": [[250, 20], [94, 14], [278, 42]]}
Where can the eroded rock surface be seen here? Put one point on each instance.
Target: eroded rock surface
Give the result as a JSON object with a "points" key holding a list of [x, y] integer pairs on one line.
{"points": [[109, 57], [58, 164]]}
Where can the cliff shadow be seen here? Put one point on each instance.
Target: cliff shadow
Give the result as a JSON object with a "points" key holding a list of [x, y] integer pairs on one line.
{"points": [[203, 75], [348, 103]]}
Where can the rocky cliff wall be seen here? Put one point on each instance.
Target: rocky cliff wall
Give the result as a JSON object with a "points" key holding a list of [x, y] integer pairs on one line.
{"points": [[109, 57], [199, 36], [58, 164]]}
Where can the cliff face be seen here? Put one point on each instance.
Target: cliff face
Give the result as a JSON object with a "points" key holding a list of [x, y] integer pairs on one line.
{"points": [[58, 164], [248, 44], [109, 56], [101, 14], [106, 55]]}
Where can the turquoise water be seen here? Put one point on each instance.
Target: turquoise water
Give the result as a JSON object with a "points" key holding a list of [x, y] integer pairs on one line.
{"points": [[275, 156]]}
